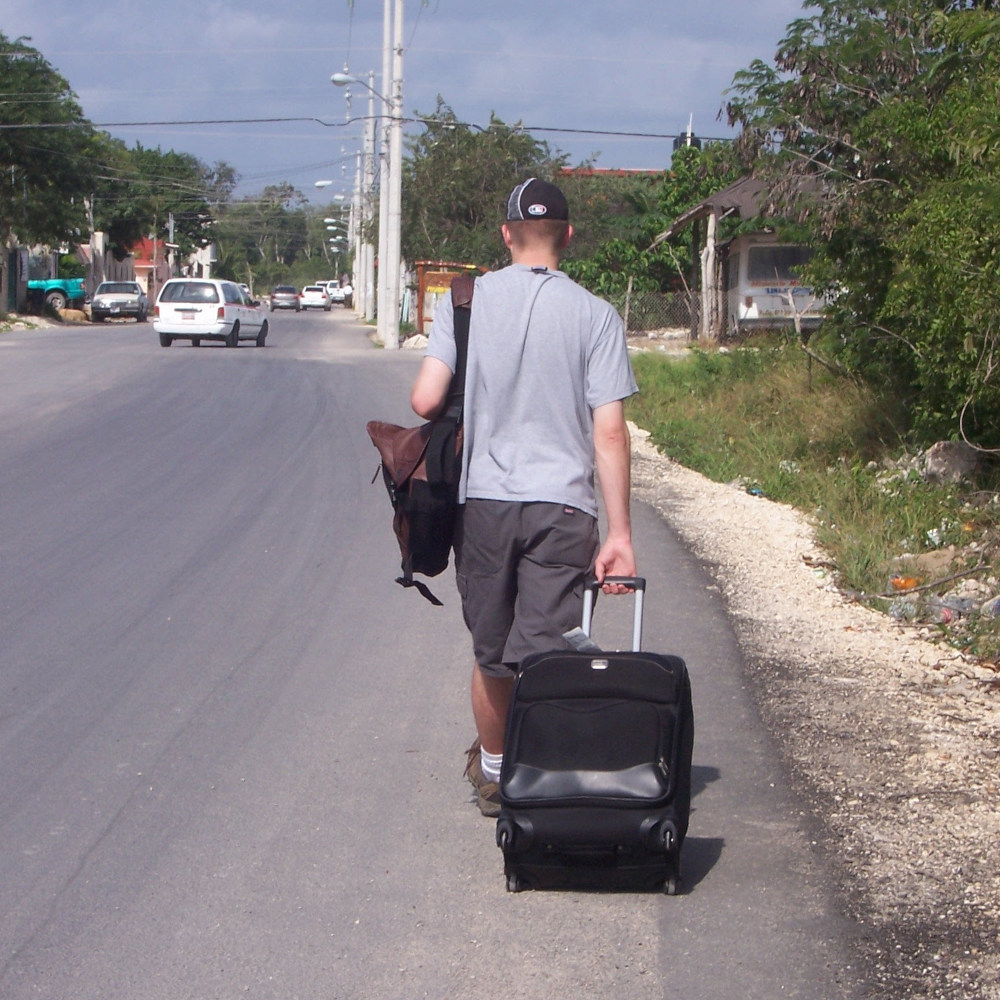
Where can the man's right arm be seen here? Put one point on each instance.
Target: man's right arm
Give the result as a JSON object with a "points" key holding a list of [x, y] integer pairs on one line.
{"points": [[430, 388], [613, 458]]}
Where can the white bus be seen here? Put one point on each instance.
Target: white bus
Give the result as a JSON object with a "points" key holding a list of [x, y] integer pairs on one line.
{"points": [[762, 284]]}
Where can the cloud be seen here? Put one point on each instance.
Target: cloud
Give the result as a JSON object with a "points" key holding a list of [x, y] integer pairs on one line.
{"points": [[630, 66]]}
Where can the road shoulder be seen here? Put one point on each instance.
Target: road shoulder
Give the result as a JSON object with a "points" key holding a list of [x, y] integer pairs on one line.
{"points": [[892, 740]]}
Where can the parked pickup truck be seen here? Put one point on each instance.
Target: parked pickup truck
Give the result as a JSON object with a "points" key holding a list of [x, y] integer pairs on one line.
{"points": [[56, 292]]}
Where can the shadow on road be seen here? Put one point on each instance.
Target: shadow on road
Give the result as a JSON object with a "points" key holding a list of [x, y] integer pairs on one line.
{"points": [[700, 854]]}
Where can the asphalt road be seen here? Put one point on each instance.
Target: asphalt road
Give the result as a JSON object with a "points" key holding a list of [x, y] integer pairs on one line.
{"points": [[231, 748]]}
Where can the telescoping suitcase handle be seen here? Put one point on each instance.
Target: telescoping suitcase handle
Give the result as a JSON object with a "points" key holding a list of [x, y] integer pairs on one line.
{"points": [[592, 589]]}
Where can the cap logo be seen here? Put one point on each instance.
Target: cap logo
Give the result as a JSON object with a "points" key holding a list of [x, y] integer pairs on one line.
{"points": [[537, 210]]}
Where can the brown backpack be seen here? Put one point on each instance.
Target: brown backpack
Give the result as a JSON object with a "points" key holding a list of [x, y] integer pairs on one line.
{"points": [[421, 467]]}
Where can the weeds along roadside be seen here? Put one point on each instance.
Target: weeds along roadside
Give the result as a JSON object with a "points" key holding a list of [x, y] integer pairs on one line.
{"points": [[761, 416]]}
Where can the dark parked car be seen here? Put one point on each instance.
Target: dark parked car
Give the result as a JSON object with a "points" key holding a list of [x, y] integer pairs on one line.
{"points": [[119, 298], [285, 297]]}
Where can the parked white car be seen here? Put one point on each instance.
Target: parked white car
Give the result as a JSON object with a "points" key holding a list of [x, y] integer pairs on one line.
{"points": [[315, 297], [119, 298], [198, 309]]}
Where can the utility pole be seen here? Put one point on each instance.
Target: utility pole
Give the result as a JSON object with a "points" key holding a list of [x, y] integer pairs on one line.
{"points": [[384, 312], [367, 292], [171, 246], [390, 172], [91, 283], [393, 259], [354, 232]]}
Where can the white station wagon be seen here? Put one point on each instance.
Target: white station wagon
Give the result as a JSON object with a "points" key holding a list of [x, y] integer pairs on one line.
{"points": [[198, 309]]}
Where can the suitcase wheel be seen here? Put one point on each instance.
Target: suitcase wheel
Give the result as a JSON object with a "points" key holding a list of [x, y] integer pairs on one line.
{"points": [[514, 884], [670, 887], [505, 834]]}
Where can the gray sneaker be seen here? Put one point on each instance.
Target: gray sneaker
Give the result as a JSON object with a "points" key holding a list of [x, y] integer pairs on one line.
{"points": [[487, 792]]}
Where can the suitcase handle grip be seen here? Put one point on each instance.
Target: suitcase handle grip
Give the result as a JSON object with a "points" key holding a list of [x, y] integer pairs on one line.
{"points": [[592, 589], [635, 582]]}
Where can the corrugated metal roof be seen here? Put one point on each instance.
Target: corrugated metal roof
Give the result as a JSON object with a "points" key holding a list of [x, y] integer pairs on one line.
{"points": [[747, 197]]}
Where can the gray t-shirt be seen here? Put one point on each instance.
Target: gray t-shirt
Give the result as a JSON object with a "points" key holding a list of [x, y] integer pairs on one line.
{"points": [[543, 354]]}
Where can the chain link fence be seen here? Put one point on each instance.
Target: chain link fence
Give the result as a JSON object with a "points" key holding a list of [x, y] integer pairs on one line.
{"points": [[651, 313]]}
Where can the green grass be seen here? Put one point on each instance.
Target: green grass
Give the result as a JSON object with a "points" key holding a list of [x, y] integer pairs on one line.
{"points": [[763, 416]]}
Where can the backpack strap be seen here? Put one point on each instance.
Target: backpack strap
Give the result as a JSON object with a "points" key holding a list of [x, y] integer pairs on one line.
{"points": [[441, 464], [462, 289]]}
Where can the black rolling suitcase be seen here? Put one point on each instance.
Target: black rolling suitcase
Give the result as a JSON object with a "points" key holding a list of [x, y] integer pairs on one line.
{"points": [[595, 789]]}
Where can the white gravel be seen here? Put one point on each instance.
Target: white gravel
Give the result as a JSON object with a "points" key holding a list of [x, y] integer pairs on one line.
{"points": [[893, 740]]}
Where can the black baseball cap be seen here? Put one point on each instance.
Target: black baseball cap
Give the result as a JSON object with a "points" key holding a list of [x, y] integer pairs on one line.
{"points": [[535, 199]]}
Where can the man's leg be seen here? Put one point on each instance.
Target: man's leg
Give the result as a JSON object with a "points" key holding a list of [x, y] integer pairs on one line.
{"points": [[486, 564], [490, 700]]}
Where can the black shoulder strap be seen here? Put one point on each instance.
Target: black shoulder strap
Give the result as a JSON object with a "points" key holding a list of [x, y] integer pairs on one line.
{"points": [[441, 453], [462, 289]]}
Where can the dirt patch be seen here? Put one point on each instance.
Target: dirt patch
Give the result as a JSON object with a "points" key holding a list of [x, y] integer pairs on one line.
{"points": [[893, 740]]}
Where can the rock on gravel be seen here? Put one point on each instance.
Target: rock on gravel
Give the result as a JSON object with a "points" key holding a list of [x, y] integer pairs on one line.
{"points": [[892, 740]]}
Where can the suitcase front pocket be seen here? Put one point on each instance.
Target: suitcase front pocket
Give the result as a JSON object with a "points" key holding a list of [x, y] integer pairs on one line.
{"points": [[588, 748]]}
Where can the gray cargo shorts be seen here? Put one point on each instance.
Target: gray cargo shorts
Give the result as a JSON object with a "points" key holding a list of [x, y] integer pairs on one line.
{"points": [[520, 570]]}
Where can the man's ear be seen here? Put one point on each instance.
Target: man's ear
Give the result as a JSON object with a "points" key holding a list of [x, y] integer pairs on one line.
{"points": [[505, 232], [567, 238]]}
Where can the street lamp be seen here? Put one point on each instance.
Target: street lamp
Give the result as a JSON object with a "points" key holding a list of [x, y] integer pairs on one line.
{"points": [[326, 184]]}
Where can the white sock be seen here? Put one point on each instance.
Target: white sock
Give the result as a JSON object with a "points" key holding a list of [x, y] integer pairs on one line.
{"points": [[491, 763]]}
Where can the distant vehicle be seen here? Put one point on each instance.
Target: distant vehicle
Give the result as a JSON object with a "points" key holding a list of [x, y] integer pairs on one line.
{"points": [[198, 309], [119, 298], [285, 297], [336, 292], [315, 297], [57, 293], [762, 284]]}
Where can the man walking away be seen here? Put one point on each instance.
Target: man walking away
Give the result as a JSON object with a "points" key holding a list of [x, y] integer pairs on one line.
{"points": [[547, 374]]}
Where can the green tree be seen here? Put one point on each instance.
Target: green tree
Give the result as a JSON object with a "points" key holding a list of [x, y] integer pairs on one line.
{"points": [[119, 205], [260, 238], [941, 294], [608, 207], [46, 167], [883, 106], [456, 180], [175, 190], [641, 209], [140, 192]]}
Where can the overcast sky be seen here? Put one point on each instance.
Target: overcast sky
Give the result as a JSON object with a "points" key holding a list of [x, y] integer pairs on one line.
{"points": [[573, 71]]}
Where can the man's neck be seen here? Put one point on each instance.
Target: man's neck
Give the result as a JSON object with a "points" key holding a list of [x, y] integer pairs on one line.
{"points": [[536, 259]]}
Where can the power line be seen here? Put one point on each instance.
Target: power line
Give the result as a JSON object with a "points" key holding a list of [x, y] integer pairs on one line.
{"points": [[360, 118]]}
